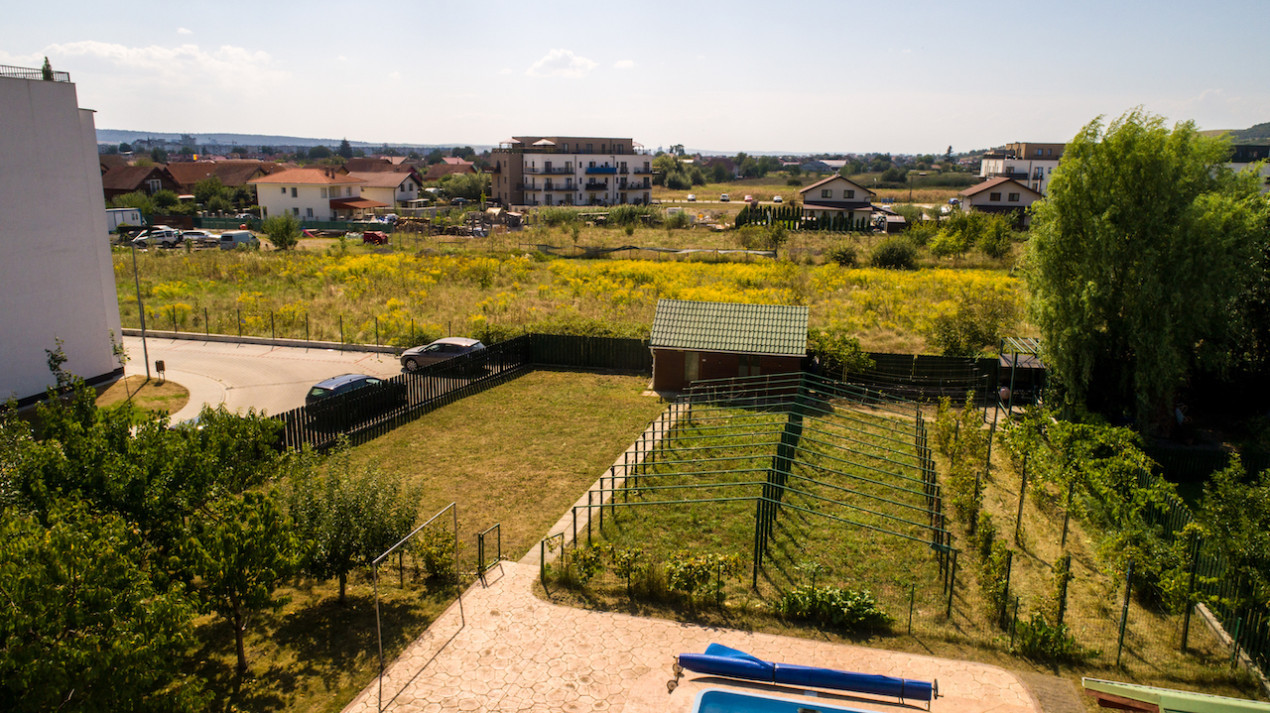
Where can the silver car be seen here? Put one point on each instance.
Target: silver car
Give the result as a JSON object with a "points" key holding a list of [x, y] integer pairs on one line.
{"points": [[440, 350]]}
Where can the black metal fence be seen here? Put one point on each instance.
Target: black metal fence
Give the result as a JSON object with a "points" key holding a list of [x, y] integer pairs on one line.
{"points": [[372, 411], [592, 352], [923, 377]]}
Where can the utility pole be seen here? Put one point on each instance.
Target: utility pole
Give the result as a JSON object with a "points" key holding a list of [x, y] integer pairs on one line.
{"points": [[141, 310]]}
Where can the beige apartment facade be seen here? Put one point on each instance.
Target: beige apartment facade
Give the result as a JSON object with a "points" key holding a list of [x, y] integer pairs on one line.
{"points": [[571, 170]]}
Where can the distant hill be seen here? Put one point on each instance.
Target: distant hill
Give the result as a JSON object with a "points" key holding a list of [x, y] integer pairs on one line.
{"points": [[1258, 134], [117, 136]]}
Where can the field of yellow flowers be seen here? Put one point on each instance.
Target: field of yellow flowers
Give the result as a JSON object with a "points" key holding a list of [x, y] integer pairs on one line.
{"points": [[401, 298]]}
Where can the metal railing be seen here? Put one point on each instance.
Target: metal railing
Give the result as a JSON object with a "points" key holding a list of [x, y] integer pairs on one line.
{"points": [[482, 566], [37, 74]]}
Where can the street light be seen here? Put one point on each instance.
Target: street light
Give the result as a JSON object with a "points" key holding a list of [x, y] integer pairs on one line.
{"points": [[141, 310]]}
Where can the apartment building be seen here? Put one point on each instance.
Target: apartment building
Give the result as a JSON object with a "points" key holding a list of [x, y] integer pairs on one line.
{"points": [[1028, 163], [571, 170], [57, 283]]}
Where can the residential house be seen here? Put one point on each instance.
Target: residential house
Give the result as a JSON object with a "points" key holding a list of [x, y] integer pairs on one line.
{"points": [[571, 170], [823, 165], [366, 164], [120, 180], [313, 194], [837, 196], [57, 283], [1028, 163], [1000, 195], [448, 165], [232, 174], [717, 340], [389, 187]]}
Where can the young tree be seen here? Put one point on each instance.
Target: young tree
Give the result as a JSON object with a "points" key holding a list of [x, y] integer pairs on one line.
{"points": [[47, 70], [283, 230], [241, 550], [347, 516], [1136, 256], [345, 149], [158, 155]]}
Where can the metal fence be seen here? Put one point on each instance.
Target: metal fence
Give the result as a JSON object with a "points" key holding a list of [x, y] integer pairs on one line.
{"points": [[37, 74], [924, 377], [372, 411], [592, 352]]}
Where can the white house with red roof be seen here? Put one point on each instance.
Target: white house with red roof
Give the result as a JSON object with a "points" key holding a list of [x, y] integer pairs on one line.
{"points": [[390, 187], [1000, 195], [314, 194]]}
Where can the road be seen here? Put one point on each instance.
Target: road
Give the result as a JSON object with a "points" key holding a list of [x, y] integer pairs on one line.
{"points": [[243, 376]]}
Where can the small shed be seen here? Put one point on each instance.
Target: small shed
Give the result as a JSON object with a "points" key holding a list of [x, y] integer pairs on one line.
{"points": [[720, 340]]}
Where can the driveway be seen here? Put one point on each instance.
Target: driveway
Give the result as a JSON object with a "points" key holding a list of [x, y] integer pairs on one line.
{"points": [[243, 376]]}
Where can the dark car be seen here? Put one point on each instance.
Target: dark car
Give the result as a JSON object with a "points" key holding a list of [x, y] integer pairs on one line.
{"points": [[440, 350], [345, 401]]}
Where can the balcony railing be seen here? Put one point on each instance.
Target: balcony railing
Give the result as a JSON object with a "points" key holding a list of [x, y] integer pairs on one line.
{"points": [[27, 73], [603, 170], [553, 171], [642, 171], [597, 186], [634, 186]]}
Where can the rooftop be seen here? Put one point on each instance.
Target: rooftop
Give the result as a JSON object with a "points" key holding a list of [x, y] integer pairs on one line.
{"points": [[730, 327]]}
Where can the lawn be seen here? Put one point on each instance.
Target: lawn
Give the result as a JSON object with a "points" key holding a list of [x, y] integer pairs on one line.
{"points": [[517, 455], [146, 394], [409, 296]]}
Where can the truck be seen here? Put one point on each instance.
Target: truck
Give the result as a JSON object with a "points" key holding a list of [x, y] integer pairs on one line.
{"points": [[116, 217]]}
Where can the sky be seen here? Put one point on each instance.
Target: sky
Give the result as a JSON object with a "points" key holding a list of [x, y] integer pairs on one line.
{"points": [[797, 77]]}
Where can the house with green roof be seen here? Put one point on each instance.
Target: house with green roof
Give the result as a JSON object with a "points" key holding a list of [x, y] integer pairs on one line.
{"points": [[718, 340]]}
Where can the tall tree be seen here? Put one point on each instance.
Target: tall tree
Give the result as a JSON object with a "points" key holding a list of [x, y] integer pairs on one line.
{"points": [[345, 149], [1137, 255]]}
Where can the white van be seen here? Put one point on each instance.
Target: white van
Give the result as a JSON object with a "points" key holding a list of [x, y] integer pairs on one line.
{"points": [[233, 238]]}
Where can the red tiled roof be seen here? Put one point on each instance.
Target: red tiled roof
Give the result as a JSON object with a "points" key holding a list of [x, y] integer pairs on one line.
{"points": [[230, 173], [306, 176], [437, 170], [351, 203], [131, 178], [456, 161], [382, 179]]}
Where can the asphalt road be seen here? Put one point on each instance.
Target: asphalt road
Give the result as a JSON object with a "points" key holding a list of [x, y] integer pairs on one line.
{"points": [[243, 376]]}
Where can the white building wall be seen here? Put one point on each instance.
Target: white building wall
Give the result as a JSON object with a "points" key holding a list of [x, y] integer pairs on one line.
{"points": [[276, 199], [573, 184], [56, 276]]}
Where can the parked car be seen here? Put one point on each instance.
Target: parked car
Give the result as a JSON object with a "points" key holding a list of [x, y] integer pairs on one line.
{"points": [[200, 238], [375, 237], [749, 198], [345, 401], [233, 238], [459, 201], [724, 197], [158, 236], [777, 199], [440, 350], [692, 196]]}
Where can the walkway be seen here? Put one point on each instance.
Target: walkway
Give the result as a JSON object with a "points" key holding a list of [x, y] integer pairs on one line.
{"points": [[503, 649]]}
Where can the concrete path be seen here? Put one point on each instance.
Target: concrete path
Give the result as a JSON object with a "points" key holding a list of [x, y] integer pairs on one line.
{"points": [[502, 649]]}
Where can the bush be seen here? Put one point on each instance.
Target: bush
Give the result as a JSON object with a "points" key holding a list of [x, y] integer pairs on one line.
{"points": [[922, 232], [624, 215], [1041, 641], [435, 548], [977, 322], [831, 606], [677, 220], [895, 253], [794, 182], [556, 217], [844, 255], [283, 230], [996, 238]]}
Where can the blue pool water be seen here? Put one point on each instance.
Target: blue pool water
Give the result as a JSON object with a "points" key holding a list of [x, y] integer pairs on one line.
{"points": [[717, 700]]}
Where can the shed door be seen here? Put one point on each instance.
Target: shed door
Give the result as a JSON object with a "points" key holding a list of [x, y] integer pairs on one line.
{"points": [[692, 366]]}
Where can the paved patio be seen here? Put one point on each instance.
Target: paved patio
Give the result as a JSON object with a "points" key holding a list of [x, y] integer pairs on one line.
{"points": [[500, 648]]}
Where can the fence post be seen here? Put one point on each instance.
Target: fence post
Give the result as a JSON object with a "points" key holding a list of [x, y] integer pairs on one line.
{"points": [[1014, 622], [912, 595], [952, 585], [1005, 601], [272, 331], [1190, 589], [174, 319], [1018, 520], [1062, 597], [306, 326], [376, 330], [207, 329], [341, 329], [1124, 610], [1067, 511], [240, 322]]}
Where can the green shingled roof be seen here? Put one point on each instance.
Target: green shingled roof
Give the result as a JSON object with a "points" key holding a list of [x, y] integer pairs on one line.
{"points": [[728, 327], [1173, 701]]}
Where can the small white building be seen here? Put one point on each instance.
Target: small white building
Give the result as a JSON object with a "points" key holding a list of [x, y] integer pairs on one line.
{"points": [[56, 277], [389, 187], [836, 196], [1000, 195], [323, 194], [1030, 164]]}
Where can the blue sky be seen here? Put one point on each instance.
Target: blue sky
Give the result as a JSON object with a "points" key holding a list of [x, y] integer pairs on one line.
{"points": [[905, 77]]}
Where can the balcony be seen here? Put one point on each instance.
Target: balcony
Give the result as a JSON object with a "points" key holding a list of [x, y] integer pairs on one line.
{"points": [[602, 170], [553, 171], [37, 74], [642, 171], [597, 186], [635, 186]]}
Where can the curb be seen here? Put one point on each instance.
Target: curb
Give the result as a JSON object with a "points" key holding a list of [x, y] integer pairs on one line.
{"points": [[265, 341]]}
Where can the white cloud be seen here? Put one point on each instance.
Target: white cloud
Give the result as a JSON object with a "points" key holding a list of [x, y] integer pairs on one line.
{"points": [[561, 63], [341, 58], [187, 65], [505, 71], [624, 64], [184, 31]]}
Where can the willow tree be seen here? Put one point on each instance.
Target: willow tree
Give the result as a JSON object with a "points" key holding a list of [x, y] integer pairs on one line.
{"points": [[1138, 255]]}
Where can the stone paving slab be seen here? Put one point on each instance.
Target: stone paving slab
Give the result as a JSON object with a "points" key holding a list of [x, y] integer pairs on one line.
{"points": [[500, 648]]}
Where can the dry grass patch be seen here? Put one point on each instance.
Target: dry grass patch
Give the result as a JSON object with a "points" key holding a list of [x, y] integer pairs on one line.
{"points": [[147, 395]]}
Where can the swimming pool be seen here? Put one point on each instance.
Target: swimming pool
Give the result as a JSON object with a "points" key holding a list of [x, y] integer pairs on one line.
{"points": [[718, 700]]}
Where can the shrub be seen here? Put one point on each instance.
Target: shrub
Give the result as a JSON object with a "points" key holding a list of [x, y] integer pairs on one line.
{"points": [[794, 182], [556, 217], [1041, 641], [844, 255], [994, 579], [895, 253], [996, 238], [975, 323], [922, 232], [283, 230], [833, 606], [677, 220], [584, 563], [633, 215], [435, 548], [692, 574]]}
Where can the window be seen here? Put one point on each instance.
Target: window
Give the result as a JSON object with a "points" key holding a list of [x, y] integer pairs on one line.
{"points": [[155, 185], [308, 212], [848, 194], [826, 193], [293, 191], [284, 190], [692, 366], [588, 149], [323, 192], [994, 197], [295, 212], [566, 148], [1014, 197], [749, 365], [604, 148], [348, 191]]}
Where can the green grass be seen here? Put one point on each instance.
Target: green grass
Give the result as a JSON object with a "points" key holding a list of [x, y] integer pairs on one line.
{"points": [[519, 455]]}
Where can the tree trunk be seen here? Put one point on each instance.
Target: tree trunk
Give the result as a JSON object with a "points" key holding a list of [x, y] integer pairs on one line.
{"points": [[343, 580], [239, 627]]}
